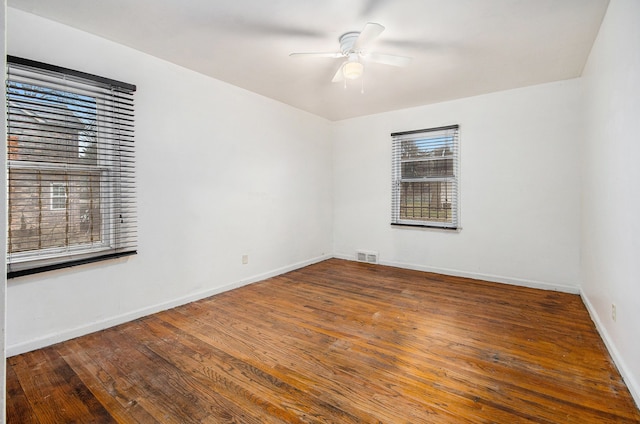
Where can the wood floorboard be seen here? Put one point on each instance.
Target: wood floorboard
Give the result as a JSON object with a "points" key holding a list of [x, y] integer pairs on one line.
{"points": [[20, 410], [335, 342], [117, 397]]}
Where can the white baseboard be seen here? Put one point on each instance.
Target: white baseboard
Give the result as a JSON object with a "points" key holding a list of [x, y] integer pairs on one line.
{"points": [[627, 376], [54, 338], [477, 276]]}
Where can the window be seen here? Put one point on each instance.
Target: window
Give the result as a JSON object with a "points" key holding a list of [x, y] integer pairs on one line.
{"points": [[70, 160], [58, 196], [425, 178]]}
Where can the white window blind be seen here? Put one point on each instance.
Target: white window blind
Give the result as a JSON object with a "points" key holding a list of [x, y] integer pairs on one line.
{"points": [[71, 168], [425, 177]]}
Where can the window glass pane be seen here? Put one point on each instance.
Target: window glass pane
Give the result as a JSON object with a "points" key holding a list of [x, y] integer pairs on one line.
{"points": [[426, 201], [59, 190], [51, 125], [33, 225], [428, 168], [437, 147]]}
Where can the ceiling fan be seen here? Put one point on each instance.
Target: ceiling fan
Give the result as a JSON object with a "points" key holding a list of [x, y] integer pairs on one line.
{"points": [[353, 47]]}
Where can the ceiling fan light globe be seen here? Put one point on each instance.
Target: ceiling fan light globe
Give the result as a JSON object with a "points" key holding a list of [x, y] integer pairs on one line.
{"points": [[353, 70]]}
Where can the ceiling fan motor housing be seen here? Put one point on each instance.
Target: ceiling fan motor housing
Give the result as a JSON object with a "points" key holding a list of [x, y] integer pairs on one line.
{"points": [[347, 40]]}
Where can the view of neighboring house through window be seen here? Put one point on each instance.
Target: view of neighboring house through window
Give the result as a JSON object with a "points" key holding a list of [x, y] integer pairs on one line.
{"points": [[58, 196], [425, 177], [70, 163]]}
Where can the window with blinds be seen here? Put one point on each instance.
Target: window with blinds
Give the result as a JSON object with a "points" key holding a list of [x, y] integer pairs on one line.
{"points": [[71, 168], [425, 177]]}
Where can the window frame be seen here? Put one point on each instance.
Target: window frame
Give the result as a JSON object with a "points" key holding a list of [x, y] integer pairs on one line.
{"points": [[427, 140]]}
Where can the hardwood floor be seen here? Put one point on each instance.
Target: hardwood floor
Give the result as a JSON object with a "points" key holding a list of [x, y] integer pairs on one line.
{"points": [[335, 342]]}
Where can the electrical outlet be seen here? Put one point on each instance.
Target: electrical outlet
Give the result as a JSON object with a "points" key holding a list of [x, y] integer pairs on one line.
{"points": [[613, 312], [245, 259]]}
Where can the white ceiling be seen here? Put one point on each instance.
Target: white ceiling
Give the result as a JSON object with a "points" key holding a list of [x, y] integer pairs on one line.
{"points": [[460, 48]]}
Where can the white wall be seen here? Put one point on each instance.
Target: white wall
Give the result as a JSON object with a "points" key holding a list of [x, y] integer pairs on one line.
{"points": [[611, 182], [519, 188], [221, 172]]}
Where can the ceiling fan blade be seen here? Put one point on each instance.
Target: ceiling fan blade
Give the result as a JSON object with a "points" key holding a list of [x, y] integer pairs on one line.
{"points": [[370, 32], [334, 55], [388, 59], [339, 76]]}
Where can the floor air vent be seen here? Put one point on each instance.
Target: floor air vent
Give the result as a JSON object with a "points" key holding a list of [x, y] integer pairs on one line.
{"points": [[364, 256]]}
